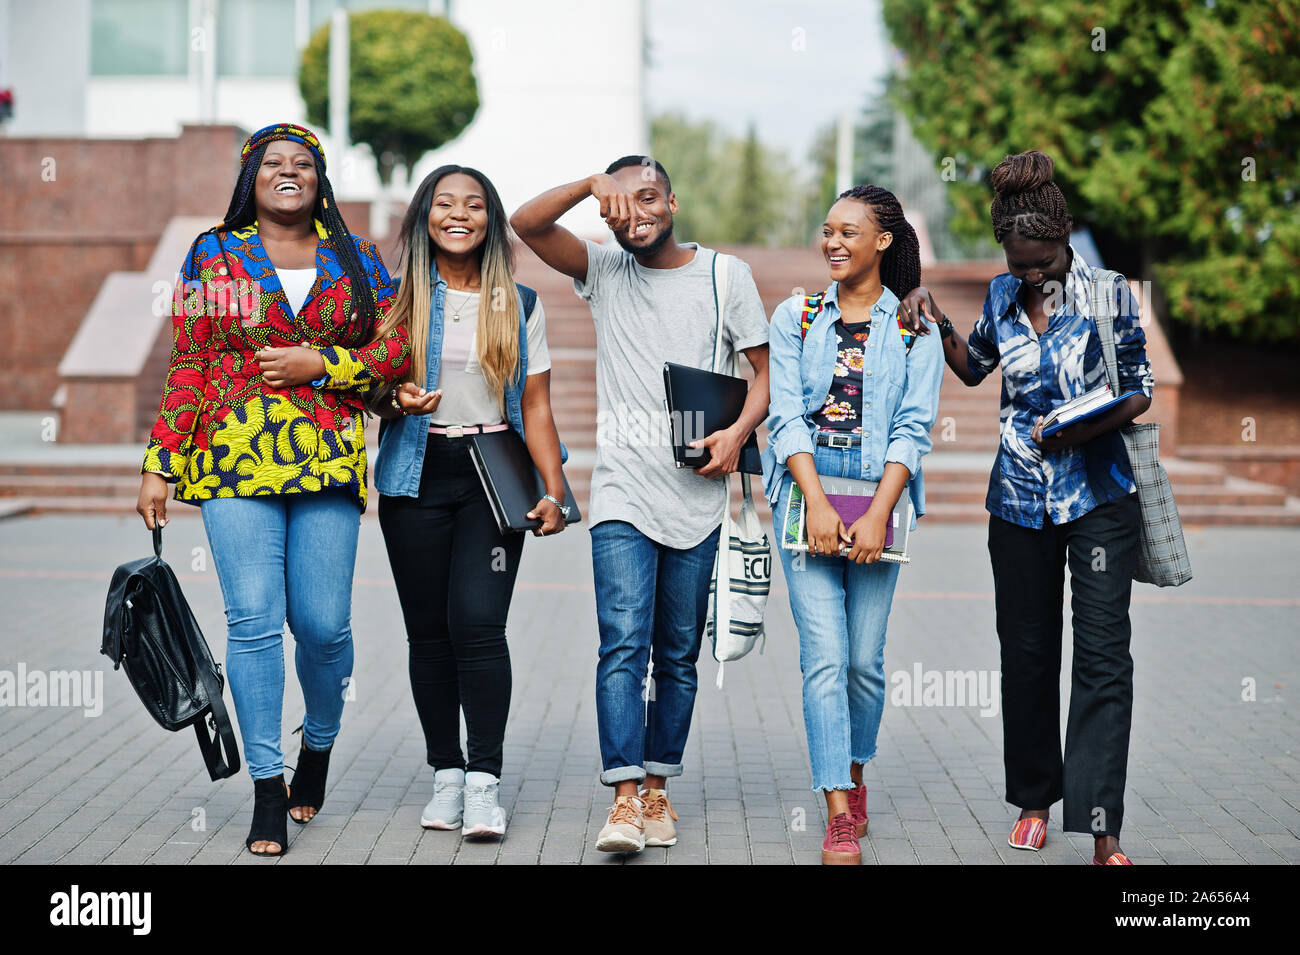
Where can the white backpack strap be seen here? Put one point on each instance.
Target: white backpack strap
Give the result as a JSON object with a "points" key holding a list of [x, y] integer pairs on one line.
{"points": [[722, 569], [720, 263], [722, 572]]}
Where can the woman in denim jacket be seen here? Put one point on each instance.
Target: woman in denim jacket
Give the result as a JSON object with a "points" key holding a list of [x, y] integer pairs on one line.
{"points": [[479, 364], [852, 396]]}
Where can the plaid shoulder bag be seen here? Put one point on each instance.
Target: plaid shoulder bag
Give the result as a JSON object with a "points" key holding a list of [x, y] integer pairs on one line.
{"points": [[1162, 555]]}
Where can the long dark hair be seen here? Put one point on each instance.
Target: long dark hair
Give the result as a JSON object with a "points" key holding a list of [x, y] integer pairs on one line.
{"points": [[242, 211], [498, 308], [900, 266]]}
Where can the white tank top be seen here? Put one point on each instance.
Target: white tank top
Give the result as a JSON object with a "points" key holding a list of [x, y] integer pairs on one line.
{"points": [[296, 284]]}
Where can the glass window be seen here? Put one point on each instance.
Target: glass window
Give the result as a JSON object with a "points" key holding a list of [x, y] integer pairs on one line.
{"points": [[322, 9], [256, 38], [139, 37]]}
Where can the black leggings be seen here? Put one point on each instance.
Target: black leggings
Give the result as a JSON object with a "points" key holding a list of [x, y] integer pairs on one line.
{"points": [[1101, 548], [455, 574]]}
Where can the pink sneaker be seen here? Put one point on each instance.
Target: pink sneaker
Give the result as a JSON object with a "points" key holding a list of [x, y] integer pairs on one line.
{"points": [[840, 847], [858, 808]]}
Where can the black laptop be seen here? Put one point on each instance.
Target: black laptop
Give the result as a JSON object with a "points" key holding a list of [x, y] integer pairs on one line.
{"points": [[512, 483], [699, 403]]}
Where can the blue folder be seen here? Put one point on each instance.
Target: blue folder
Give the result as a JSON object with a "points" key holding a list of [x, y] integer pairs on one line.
{"points": [[1099, 410]]}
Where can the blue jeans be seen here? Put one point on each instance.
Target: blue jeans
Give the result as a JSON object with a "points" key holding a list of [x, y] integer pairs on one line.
{"points": [[651, 604], [278, 557], [841, 610]]}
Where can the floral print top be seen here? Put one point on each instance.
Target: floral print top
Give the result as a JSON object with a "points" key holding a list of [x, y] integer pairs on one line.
{"points": [[840, 411]]}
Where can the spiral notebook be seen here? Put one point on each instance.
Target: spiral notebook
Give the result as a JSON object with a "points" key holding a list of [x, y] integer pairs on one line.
{"points": [[850, 497]]}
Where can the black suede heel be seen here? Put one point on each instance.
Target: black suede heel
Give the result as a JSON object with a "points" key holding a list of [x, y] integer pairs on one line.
{"points": [[270, 809], [309, 781]]}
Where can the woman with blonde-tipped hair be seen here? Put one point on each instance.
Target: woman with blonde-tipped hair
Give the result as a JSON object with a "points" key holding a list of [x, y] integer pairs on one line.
{"points": [[479, 364]]}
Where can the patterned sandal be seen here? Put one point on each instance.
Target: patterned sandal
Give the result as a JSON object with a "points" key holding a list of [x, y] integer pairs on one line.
{"points": [[1115, 858], [1028, 834]]}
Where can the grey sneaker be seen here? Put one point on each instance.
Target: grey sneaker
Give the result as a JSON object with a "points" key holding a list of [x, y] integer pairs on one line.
{"points": [[659, 818], [447, 806], [483, 815], [624, 831]]}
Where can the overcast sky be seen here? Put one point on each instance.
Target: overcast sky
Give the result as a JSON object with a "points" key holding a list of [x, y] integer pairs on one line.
{"points": [[739, 60]]}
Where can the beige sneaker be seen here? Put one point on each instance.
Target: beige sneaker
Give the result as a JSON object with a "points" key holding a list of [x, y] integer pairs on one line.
{"points": [[659, 816], [625, 830]]}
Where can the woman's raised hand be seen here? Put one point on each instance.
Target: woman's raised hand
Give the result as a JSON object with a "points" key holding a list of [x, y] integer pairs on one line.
{"points": [[415, 400], [917, 307]]}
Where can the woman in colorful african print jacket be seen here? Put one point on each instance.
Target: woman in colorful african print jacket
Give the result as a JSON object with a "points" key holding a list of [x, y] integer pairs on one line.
{"points": [[274, 348]]}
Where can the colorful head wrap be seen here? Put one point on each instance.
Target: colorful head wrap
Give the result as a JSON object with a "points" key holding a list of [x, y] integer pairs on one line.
{"points": [[269, 134]]}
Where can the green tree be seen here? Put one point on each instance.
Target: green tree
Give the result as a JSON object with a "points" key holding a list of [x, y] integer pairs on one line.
{"points": [[412, 84], [692, 152], [873, 156], [751, 211], [1173, 126], [729, 190]]}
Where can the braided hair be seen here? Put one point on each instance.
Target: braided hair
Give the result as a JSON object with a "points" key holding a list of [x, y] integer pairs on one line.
{"points": [[1027, 201], [900, 265], [243, 211]]}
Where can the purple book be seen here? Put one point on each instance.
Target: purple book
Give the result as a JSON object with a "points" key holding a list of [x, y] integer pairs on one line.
{"points": [[850, 507]]}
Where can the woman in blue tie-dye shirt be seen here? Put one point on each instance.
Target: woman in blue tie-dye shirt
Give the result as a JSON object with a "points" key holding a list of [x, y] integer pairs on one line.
{"points": [[1066, 499]]}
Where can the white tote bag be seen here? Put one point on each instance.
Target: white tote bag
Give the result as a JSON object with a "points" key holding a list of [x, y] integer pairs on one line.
{"points": [[742, 568]]}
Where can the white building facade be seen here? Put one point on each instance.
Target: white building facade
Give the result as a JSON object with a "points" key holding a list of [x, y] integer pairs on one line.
{"points": [[560, 83]]}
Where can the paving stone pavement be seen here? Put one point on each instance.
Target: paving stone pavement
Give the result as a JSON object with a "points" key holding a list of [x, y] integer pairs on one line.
{"points": [[1212, 778]]}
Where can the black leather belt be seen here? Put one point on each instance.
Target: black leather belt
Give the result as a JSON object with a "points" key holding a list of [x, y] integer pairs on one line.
{"points": [[838, 439]]}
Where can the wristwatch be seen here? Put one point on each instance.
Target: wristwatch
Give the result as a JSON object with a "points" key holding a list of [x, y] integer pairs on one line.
{"points": [[945, 327], [564, 510]]}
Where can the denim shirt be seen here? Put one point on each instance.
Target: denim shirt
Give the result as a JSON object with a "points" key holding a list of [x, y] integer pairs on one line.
{"points": [[900, 391], [1027, 484], [400, 460]]}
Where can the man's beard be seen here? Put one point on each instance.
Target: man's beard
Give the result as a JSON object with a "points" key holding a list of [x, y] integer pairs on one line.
{"points": [[645, 251]]}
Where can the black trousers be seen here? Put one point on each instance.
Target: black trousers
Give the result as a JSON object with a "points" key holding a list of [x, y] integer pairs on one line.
{"points": [[455, 575], [1101, 549]]}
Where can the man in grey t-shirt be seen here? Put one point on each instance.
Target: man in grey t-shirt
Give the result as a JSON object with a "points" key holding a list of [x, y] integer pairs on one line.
{"points": [[654, 528]]}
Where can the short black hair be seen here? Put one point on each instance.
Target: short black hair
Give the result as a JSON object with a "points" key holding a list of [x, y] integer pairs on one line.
{"points": [[624, 162]]}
